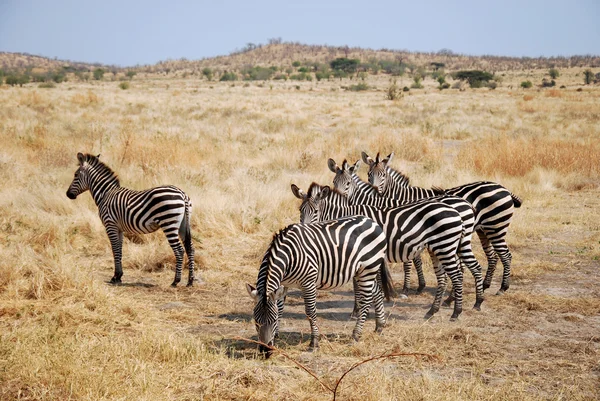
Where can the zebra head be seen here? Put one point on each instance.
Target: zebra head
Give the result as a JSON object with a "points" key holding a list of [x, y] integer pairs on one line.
{"points": [[311, 201], [266, 315], [81, 181], [343, 181], [378, 174]]}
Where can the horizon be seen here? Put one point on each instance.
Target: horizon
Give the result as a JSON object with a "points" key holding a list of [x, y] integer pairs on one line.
{"points": [[138, 34]]}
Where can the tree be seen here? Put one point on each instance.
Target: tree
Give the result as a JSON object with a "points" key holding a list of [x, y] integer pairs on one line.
{"points": [[588, 76], [98, 74], [208, 73], [475, 78], [553, 72], [345, 64]]}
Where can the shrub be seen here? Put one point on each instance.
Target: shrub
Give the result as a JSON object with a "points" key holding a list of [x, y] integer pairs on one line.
{"points": [[98, 74], [124, 85], [475, 78], [131, 74], [405, 89], [208, 73], [588, 77], [358, 87], [279, 77], [492, 85], [228, 76], [548, 84], [47, 85], [340, 74], [393, 91], [417, 82], [322, 75], [59, 77], [345, 64], [20, 80], [445, 85], [296, 64], [257, 73], [526, 84], [303, 69], [553, 72], [394, 68]]}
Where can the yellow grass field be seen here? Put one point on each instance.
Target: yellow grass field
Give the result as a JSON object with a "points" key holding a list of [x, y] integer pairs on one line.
{"points": [[67, 334]]}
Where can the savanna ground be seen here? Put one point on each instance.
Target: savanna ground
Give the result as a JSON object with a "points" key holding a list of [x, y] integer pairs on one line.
{"points": [[65, 333]]}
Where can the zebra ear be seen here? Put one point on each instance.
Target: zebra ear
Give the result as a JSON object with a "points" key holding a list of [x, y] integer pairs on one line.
{"points": [[298, 192], [98, 156], [280, 293], [332, 165], [252, 291], [324, 193], [354, 168], [388, 159], [81, 158], [366, 158]]}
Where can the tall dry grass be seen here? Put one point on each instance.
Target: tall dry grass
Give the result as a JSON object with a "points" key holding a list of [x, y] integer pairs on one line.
{"points": [[67, 334]]}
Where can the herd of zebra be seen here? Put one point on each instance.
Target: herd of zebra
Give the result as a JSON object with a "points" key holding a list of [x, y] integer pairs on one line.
{"points": [[348, 233]]}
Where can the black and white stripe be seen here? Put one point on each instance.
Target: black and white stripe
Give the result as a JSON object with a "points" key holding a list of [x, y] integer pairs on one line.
{"points": [[409, 229], [359, 192], [493, 205], [128, 211], [318, 256]]}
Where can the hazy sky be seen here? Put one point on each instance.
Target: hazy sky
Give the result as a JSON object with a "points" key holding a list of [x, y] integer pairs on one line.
{"points": [[127, 33]]}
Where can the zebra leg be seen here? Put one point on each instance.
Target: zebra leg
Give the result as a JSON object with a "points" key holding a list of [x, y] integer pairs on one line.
{"points": [[365, 297], [406, 278], [501, 249], [280, 303], [467, 258], [172, 234], [440, 275], [419, 268], [354, 314], [309, 293], [116, 242], [379, 310], [492, 258], [456, 276]]}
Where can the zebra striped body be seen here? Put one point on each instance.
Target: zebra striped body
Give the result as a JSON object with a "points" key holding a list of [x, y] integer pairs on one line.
{"points": [[128, 211], [493, 205], [409, 230], [359, 192], [317, 256]]}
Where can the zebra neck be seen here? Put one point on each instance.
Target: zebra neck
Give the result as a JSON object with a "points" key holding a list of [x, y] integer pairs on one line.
{"points": [[100, 187]]}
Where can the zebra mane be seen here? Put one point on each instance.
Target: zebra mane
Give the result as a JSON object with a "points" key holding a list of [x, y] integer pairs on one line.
{"points": [[95, 162], [334, 194], [399, 177], [264, 276]]}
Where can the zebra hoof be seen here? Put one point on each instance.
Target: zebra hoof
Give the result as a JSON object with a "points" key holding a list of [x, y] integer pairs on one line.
{"points": [[174, 284], [428, 315], [477, 307], [500, 292], [420, 290], [454, 319], [115, 280]]}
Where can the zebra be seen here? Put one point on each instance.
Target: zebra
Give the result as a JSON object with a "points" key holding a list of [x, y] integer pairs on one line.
{"points": [[493, 205], [128, 211], [409, 230], [367, 195], [359, 192], [318, 256]]}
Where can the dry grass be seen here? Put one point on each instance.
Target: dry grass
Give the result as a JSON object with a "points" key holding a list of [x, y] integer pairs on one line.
{"points": [[67, 334]]}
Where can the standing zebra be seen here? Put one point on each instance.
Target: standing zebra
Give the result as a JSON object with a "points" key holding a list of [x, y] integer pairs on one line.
{"points": [[124, 210], [321, 256], [409, 230], [493, 205], [367, 195], [358, 192]]}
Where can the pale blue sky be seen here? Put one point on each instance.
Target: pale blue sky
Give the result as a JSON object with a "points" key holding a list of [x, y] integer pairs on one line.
{"points": [[127, 33]]}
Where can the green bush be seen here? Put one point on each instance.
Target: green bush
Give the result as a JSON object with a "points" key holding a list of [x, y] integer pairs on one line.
{"points": [[228, 76], [303, 69], [358, 87], [98, 74], [257, 73], [20, 80], [124, 85], [345, 64], [526, 84], [417, 82], [301, 77], [280, 77], [296, 64], [588, 77], [553, 72], [475, 78], [59, 77], [548, 84], [208, 73], [47, 85], [322, 75], [393, 91], [131, 74]]}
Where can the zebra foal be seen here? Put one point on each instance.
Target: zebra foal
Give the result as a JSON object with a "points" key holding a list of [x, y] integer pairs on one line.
{"points": [[125, 210], [318, 256]]}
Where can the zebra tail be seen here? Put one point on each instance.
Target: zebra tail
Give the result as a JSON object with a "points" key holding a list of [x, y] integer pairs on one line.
{"points": [[185, 231], [386, 282], [517, 202]]}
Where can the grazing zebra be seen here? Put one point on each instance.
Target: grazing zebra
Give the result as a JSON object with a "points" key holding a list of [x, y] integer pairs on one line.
{"points": [[493, 205], [124, 210], [318, 256], [358, 192], [365, 195], [409, 230]]}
